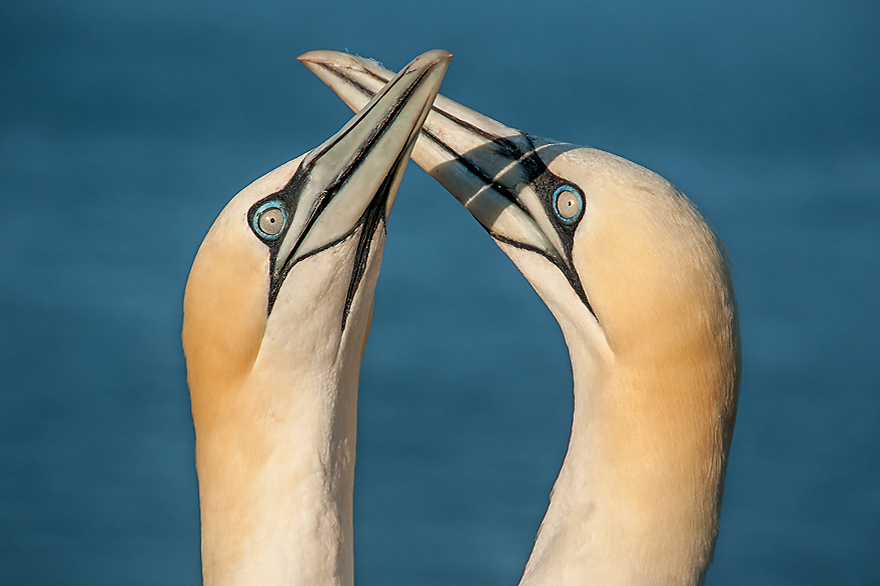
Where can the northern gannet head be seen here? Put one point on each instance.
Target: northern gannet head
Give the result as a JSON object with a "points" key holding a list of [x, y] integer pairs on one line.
{"points": [[614, 250], [276, 314], [289, 254]]}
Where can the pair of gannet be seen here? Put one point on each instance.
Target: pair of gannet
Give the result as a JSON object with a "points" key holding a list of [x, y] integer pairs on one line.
{"points": [[278, 306]]}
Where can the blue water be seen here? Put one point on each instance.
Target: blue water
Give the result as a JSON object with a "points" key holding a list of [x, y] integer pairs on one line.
{"points": [[125, 127]]}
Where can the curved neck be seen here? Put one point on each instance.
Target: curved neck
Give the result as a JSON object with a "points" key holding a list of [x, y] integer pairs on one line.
{"points": [[275, 454], [638, 498]]}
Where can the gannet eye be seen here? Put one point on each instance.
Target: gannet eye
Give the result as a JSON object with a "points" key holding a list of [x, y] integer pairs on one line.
{"points": [[568, 203], [269, 220]]}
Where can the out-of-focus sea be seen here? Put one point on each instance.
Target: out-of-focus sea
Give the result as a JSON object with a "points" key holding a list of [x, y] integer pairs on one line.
{"points": [[125, 127]]}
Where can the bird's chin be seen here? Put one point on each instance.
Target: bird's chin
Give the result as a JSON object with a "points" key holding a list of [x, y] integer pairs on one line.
{"points": [[312, 294], [550, 284]]}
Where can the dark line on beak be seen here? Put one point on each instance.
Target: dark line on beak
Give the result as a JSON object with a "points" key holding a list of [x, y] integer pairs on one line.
{"points": [[299, 179], [567, 270], [507, 146], [529, 160], [373, 216], [317, 156]]}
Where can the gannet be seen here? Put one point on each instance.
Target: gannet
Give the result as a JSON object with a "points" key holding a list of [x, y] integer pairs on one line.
{"points": [[642, 291], [276, 314]]}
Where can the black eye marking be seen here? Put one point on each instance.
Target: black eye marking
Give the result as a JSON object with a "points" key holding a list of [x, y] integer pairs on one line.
{"points": [[269, 219], [546, 184]]}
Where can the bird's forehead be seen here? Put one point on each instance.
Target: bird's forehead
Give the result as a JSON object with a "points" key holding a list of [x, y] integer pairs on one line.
{"points": [[577, 165], [604, 175], [233, 218], [231, 229]]}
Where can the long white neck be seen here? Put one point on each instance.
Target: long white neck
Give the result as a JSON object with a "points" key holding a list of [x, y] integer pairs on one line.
{"points": [[275, 448], [276, 491], [638, 498], [276, 478]]}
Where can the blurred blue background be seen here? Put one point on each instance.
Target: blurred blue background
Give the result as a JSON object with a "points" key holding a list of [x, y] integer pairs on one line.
{"points": [[125, 127]]}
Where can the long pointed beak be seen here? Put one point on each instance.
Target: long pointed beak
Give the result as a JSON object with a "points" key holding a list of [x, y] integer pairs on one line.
{"points": [[358, 166], [485, 164]]}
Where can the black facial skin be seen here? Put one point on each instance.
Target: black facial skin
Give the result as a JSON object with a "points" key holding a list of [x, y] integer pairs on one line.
{"points": [[543, 181], [288, 198]]}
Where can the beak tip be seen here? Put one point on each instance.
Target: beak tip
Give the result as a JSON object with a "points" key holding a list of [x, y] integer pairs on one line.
{"points": [[326, 57], [439, 55], [308, 56], [338, 58], [430, 58]]}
